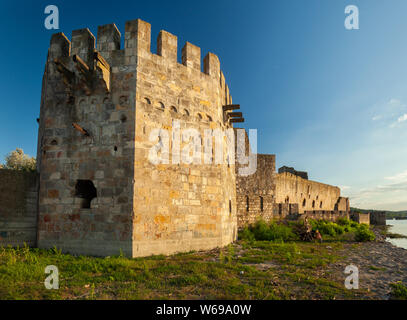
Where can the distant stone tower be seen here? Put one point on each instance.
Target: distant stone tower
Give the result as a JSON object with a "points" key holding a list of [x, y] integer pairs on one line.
{"points": [[99, 194]]}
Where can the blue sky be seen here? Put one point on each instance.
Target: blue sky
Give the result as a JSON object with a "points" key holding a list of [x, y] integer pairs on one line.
{"points": [[324, 99]]}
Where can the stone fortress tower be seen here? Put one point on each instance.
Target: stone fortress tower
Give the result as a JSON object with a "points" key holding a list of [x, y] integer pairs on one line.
{"points": [[98, 193]]}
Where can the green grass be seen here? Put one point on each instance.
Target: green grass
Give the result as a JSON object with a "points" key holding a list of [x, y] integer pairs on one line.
{"points": [[398, 291], [245, 270], [374, 268]]}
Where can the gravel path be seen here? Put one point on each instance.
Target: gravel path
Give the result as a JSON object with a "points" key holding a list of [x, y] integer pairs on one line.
{"points": [[380, 263]]}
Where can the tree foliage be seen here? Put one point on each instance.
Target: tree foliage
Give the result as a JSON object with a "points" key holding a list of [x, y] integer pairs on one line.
{"points": [[18, 160]]}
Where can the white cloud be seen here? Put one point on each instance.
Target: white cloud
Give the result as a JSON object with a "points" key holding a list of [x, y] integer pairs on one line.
{"points": [[388, 195], [400, 177], [392, 112], [394, 103], [402, 118]]}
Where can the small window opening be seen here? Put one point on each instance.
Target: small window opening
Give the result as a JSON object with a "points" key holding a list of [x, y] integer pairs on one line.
{"points": [[123, 118], [115, 148], [230, 206], [261, 204], [173, 109], [186, 112], [304, 202], [247, 203], [86, 190], [313, 203], [147, 100], [320, 204]]}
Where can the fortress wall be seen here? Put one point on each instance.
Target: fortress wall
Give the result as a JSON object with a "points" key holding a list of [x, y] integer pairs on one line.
{"points": [[97, 113], [360, 217], [18, 208], [378, 218], [255, 193], [178, 207], [105, 156], [309, 195]]}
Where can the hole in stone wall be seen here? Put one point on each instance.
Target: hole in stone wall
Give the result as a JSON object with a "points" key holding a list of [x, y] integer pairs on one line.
{"points": [[186, 112], [54, 142], [147, 100], [115, 148], [123, 118], [230, 206], [261, 203], [313, 203], [173, 109], [304, 202], [247, 203], [86, 190], [209, 118], [320, 204]]}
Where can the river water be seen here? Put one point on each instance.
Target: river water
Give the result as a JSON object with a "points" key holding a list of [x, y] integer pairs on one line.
{"points": [[398, 226]]}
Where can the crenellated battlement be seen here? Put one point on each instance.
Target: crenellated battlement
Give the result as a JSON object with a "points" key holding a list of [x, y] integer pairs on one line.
{"points": [[103, 99], [137, 42]]}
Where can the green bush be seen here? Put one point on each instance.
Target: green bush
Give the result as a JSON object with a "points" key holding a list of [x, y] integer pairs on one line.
{"points": [[363, 233], [399, 290], [246, 234], [264, 231], [342, 226], [289, 231], [327, 227]]}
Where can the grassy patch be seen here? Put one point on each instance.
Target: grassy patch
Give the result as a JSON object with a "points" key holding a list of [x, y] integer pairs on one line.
{"points": [[374, 268], [398, 291], [244, 270]]}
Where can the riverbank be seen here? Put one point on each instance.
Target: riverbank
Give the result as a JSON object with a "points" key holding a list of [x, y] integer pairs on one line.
{"points": [[243, 270]]}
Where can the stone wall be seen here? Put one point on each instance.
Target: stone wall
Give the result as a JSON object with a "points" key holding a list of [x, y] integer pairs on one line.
{"points": [[310, 195], [378, 218], [255, 193], [179, 206], [302, 174], [325, 215], [270, 196], [99, 193], [18, 208], [360, 217]]}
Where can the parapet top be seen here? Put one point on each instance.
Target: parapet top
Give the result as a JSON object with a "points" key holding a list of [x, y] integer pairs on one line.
{"points": [[137, 42]]}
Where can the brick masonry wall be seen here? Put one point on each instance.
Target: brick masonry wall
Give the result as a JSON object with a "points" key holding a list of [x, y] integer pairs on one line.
{"points": [[18, 208]]}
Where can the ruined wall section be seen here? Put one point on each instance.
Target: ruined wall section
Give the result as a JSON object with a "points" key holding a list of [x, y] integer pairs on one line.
{"points": [[178, 207], [18, 208], [310, 195], [97, 95], [255, 193]]}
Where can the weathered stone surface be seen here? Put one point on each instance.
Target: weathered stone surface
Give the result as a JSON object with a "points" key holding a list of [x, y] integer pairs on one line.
{"points": [[99, 193], [18, 208]]}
